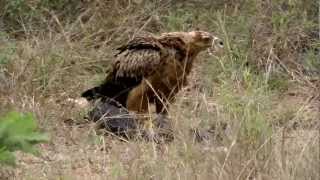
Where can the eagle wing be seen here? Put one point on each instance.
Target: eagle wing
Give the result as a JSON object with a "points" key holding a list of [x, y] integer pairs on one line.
{"points": [[139, 58]]}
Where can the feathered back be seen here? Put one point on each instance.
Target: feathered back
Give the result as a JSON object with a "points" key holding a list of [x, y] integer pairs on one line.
{"points": [[138, 58], [140, 42], [142, 56]]}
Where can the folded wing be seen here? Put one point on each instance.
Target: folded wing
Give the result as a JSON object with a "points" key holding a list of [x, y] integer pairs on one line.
{"points": [[137, 59]]}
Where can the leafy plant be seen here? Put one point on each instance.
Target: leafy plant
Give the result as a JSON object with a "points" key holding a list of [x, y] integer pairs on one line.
{"points": [[18, 133]]}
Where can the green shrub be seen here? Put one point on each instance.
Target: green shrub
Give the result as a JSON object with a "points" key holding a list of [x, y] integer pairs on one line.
{"points": [[18, 133]]}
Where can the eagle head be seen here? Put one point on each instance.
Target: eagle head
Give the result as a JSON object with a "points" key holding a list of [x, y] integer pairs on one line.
{"points": [[202, 40]]}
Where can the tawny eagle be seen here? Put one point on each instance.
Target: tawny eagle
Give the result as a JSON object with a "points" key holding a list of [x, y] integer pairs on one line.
{"points": [[152, 69]]}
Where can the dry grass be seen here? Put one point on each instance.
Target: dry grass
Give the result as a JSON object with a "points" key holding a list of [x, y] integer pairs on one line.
{"points": [[265, 112]]}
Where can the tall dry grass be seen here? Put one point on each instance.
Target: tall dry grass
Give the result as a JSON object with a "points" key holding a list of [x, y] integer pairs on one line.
{"points": [[260, 101]]}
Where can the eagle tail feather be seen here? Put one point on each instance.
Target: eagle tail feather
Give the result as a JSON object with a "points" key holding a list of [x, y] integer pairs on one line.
{"points": [[115, 91]]}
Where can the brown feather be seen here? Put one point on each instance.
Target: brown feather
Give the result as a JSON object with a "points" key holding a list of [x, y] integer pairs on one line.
{"points": [[153, 69], [139, 58]]}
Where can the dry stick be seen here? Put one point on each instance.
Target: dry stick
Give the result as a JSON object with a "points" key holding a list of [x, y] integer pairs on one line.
{"points": [[150, 18], [79, 18], [301, 154], [293, 74], [254, 155], [110, 133], [119, 9], [267, 160], [62, 29], [151, 129], [173, 89], [303, 107], [116, 30], [160, 99], [269, 66], [74, 65], [142, 27], [118, 137], [283, 152], [227, 157], [23, 25], [69, 67], [309, 139], [205, 102], [112, 35], [250, 173]]}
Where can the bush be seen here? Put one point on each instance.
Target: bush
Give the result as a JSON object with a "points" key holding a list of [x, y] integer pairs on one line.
{"points": [[18, 133]]}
